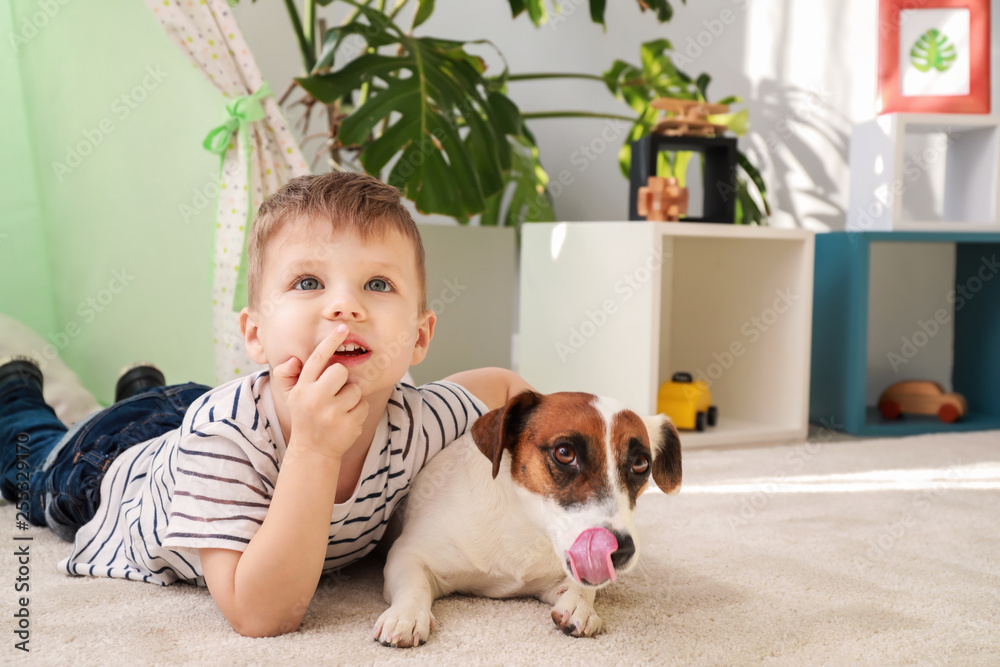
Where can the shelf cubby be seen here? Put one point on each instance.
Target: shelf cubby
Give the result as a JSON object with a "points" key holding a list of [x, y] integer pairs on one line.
{"points": [[895, 306], [615, 308]]}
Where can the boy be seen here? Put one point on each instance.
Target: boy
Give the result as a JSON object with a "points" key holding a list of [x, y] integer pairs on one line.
{"points": [[277, 477]]}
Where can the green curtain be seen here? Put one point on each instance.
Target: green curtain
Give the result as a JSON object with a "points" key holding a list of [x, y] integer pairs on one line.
{"points": [[108, 254]]}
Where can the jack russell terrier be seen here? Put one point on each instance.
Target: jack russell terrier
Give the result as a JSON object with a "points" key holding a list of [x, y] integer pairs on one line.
{"points": [[546, 513]]}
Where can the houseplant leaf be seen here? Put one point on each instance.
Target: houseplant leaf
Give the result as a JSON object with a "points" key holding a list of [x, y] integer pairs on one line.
{"points": [[537, 11], [424, 11], [525, 198], [664, 12], [597, 8], [539, 14], [738, 123], [755, 177], [336, 35], [516, 7], [337, 84]]}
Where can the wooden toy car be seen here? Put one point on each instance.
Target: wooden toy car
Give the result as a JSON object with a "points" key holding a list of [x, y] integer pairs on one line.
{"points": [[921, 397], [687, 402]]}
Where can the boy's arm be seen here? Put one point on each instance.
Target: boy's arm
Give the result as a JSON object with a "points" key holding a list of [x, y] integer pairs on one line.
{"points": [[266, 589], [492, 386]]}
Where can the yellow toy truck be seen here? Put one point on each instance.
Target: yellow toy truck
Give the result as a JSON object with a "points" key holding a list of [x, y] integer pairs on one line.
{"points": [[687, 402]]}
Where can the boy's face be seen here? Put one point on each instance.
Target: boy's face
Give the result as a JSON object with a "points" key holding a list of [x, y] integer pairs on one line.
{"points": [[315, 279]]}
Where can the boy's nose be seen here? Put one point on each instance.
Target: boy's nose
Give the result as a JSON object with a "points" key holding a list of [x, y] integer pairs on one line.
{"points": [[343, 305]]}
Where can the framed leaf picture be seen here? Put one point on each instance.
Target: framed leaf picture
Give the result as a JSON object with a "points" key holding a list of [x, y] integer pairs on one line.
{"points": [[934, 56]]}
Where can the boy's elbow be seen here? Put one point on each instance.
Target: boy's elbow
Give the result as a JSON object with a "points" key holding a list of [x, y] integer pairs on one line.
{"points": [[254, 626], [253, 612], [516, 384]]}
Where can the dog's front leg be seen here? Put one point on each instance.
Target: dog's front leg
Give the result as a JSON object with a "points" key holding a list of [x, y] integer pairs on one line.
{"points": [[409, 590], [573, 608]]}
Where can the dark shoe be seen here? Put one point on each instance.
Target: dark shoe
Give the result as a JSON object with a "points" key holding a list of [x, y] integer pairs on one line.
{"points": [[136, 379], [20, 366]]}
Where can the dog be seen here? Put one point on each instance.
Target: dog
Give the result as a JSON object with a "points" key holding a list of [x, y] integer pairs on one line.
{"points": [[547, 512]]}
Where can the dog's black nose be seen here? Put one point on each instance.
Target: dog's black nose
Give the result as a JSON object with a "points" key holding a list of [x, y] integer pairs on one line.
{"points": [[625, 551]]}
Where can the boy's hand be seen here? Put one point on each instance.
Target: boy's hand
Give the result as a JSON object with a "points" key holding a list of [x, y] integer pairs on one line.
{"points": [[327, 412]]}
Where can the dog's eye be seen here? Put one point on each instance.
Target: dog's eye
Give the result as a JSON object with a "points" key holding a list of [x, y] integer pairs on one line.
{"points": [[564, 454], [640, 465]]}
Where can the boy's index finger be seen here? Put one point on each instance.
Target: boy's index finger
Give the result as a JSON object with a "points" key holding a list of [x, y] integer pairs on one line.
{"points": [[322, 356]]}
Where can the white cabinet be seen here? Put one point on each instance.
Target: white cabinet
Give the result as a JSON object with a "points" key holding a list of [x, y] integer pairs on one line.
{"points": [[615, 308]]}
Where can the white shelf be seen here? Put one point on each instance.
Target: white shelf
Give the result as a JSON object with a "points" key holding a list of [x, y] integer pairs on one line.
{"points": [[925, 172], [616, 308]]}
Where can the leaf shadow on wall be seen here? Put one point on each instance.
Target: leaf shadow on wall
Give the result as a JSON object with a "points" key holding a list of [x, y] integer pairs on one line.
{"points": [[801, 141]]}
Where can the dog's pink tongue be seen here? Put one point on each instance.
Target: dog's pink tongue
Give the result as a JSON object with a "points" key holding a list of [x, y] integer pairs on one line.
{"points": [[590, 556]]}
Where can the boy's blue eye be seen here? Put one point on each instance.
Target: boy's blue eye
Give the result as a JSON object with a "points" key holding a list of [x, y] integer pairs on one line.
{"points": [[307, 284], [379, 285]]}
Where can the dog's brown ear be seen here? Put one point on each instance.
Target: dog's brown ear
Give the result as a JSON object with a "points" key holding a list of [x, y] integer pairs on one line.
{"points": [[499, 429], [666, 446]]}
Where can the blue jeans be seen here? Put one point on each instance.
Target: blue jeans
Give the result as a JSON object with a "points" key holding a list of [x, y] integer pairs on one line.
{"points": [[54, 474]]}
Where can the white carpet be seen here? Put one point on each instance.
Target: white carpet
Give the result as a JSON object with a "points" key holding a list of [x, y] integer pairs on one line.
{"points": [[848, 552]]}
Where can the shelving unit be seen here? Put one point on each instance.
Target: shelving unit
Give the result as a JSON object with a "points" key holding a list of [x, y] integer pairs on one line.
{"points": [[925, 172], [905, 305], [615, 308]]}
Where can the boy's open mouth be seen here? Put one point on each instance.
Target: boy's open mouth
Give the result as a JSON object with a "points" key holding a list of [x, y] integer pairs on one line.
{"points": [[350, 350]]}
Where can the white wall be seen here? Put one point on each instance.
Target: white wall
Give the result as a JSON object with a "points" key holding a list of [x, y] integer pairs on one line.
{"points": [[805, 68]]}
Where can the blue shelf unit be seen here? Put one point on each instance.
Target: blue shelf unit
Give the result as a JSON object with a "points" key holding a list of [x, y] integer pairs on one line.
{"points": [[840, 335]]}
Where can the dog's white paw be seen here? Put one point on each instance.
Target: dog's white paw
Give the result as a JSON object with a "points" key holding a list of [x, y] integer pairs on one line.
{"points": [[404, 627], [574, 614]]}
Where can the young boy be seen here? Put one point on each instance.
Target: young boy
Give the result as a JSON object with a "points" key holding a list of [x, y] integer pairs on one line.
{"points": [[274, 478]]}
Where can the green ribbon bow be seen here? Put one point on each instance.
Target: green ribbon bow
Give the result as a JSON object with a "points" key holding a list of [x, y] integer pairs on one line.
{"points": [[241, 111]]}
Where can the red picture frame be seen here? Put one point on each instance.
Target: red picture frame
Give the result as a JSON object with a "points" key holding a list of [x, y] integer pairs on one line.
{"points": [[890, 95]]}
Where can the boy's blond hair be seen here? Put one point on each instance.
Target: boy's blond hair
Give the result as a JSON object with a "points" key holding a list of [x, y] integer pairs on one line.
{"points": [[352, 202]]}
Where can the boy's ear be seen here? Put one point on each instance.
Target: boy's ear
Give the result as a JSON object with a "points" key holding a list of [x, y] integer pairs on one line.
{"points": [[425, 332], [251, 337]]}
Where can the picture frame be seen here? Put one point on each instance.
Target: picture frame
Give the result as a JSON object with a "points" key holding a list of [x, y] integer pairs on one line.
{"points": [[934, 56]]}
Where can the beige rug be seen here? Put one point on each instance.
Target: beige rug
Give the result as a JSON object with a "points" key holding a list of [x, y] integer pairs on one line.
{"points": [[828, 552]]}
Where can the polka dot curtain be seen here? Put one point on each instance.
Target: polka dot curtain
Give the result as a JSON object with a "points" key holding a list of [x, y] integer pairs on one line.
{"points": [[258, 153]]}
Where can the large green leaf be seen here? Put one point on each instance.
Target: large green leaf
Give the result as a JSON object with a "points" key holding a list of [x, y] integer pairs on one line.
{"points": [[429, 108], [334, 85]]}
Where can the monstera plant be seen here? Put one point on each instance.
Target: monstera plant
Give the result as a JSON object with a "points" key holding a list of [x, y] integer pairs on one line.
{"points": [[423, 114]]}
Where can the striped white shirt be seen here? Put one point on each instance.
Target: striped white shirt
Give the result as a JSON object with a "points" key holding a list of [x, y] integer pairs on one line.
{"points": [[209, 484]]}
